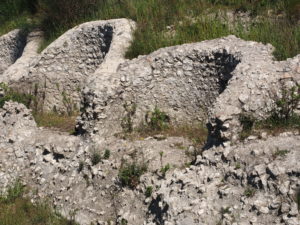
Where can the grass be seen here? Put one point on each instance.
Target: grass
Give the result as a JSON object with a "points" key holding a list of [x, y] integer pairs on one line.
{"points": [[283, 116], [249, 192], [95, 158], [148, 192], [63, 123], [15, 209], [165, 23], [60, 122], [130, 173]]}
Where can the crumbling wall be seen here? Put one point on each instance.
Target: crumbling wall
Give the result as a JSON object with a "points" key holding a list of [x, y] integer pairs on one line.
{"points": [[59, 73], [211, 81], [11, 48]]}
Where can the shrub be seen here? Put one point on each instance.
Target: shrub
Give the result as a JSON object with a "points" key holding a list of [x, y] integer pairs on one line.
{"points": [[81, 166], [130, 174], [96, 158], [157, 120], [287, 104], [249, 192], [12, 95], [165, 169], [106, 154], [148, 191]]}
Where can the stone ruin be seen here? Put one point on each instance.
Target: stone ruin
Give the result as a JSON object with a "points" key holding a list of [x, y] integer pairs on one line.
{"points": [[211, 82]]}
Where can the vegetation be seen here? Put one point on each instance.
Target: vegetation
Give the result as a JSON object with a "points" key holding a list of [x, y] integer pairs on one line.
{"points": [[280, 153], [163, 23], [17, 209], [282, 118], [157, 120], [96, 158], [54, 120], [130, 174], [165, 169], [249, 192], [60, 122], [11, 95], [81, 166], [106, 154], [148, 192]]}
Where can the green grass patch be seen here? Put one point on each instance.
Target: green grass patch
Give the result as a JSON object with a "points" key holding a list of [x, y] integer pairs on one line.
{"points": [[15, 209], [164, 23], [130, 173], [60, 122]]}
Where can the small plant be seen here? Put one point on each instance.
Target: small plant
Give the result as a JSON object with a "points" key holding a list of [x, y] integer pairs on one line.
{"points": [[298, 199], [161, 154], [148, 191], [165, 169], [96, 158], [130, 174], [238, 166], [225, 210], [106, 154], [280, 153], [249, 192], [157, 120], [247, 123], [13, 192], [87, 179], [287, 104], [12, 95], [126, 122], [81, 166], [124, 221]]}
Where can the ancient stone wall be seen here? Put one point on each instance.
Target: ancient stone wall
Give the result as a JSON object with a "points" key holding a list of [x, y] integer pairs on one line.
{"points": [[59, 72], [212, 81], [11, 48]]}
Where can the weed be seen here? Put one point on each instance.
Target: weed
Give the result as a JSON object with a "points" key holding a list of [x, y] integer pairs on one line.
{"points": [[238, 166], [165, 169], [298, 199], [126, 122], [157, 120], [124, 221], [95, 158], [53, 120], [247, 123], [148, 191], [13, 192], [179, 145], [12, 95], [81, 166], [249, 192], [282, 116], [225, 210], [106, 154], [87, 179], [17, 209], [129, 174], [280, 153], [161, 154]]}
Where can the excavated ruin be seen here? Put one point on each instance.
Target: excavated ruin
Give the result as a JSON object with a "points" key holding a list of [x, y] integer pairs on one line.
{"points": [[212, 82], [11, 45], [57, 75]]}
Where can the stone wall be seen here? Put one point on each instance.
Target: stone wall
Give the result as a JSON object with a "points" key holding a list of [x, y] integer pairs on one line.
{"points": [[212, 81], [59, 72], [11, 48]]}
